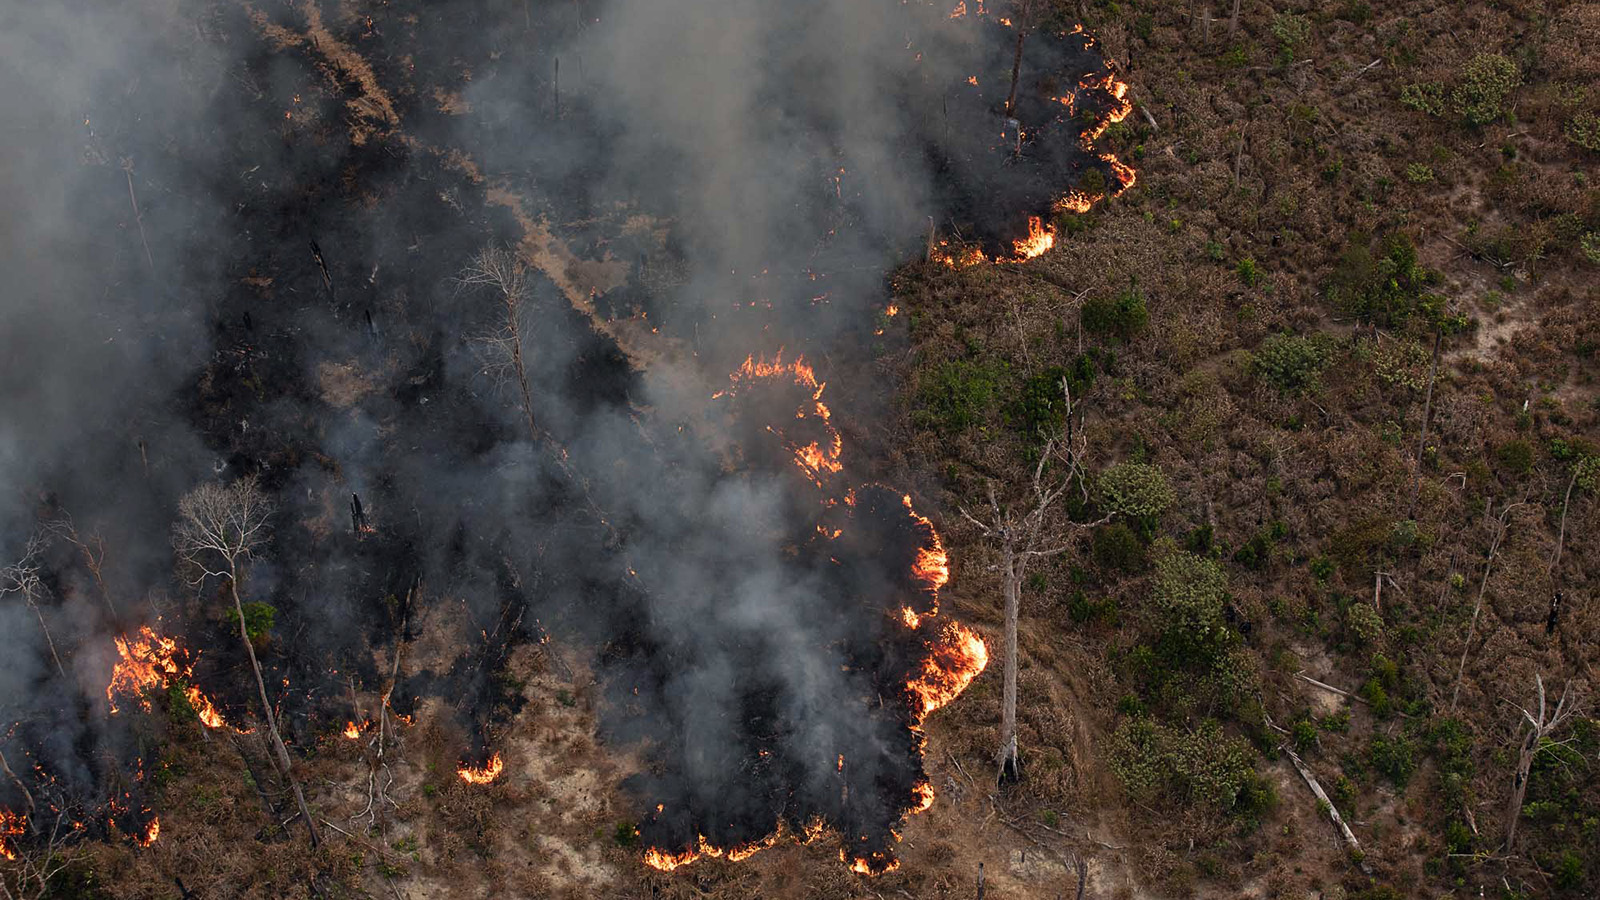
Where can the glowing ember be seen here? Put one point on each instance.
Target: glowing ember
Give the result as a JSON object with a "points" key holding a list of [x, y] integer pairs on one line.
{"points": [[910, 617], [484, 774], [150, 662], [960, 10], [1040, 238], [11, 825]]}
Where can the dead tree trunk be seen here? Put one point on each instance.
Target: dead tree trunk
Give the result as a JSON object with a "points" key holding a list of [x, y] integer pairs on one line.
{"points": [[1016, 71], [280, 753], [1541, 728], [1501, 527], [1233, 23]]}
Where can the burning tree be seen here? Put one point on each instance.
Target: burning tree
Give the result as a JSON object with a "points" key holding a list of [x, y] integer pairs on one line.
{"points": [[218, 531], [1022, 537]]}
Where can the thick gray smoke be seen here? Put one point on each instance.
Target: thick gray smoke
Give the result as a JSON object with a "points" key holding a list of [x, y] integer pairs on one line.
{"points": [[287, 305]]}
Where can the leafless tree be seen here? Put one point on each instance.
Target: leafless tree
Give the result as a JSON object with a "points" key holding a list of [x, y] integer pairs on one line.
{"points": [[1502, 524], [504, 273], [22, 578], [1023, 537], [1543, 724], [93, 551], [220, 526], [1023, 15], [26, 869]]}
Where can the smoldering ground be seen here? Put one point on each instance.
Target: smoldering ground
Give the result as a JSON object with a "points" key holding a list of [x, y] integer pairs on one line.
{"points": [[308, 202]]}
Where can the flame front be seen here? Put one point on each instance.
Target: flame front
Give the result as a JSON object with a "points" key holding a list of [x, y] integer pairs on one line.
{"points": [[148, 662], [484, 774], [151, 832], [957, 658], [1040, 238]]}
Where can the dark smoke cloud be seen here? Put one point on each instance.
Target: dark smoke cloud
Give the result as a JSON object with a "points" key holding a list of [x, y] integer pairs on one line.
{"points": [[792, 154]]}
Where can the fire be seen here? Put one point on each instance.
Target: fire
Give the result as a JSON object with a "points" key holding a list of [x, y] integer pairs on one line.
{"points": [[352, 730], [1040, 238], [666, 862], [11, 825], [972, 80], [875, 863], [924, 794], [957, 658], [910, 617], [815, 458], [150, 662], [891, 311], [485, 774], [960, 10], [151, 832]]}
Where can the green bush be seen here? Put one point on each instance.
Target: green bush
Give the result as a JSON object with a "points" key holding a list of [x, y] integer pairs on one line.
{"points": [[1515, 456], [1391, 289], [1122, 316], [1419, 173], [1291, 363], [1203, 767], [1584, 130], [1136, 490], [1039, 405], [1589, 244], [1365, 623], [1479, 98], [1395, 757], [1426, 97], [1189, 591], [1117, 549], [1249, 272], [1292, 32], [957, 395]]}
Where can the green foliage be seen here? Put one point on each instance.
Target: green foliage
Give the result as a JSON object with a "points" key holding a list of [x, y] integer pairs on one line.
{"points": [[1292, 32], [1589, 244], [1249, 272], [1588, 473], [1392, 289], [1584, 130], [1419, 173], [956, 395], [1203, 767], [1039, 405], [1117, 549], [626, 835], [1291, 363], [1393, 756], [1365, 623], [258, 620], [1304, 735], [1426, 97], [1136, 490], [1515, 456], [1122, 316], [1479, 97], [1083, 610]]}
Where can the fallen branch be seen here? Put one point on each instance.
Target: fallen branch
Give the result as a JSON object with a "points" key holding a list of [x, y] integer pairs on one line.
{"points": [[1333, 811]]}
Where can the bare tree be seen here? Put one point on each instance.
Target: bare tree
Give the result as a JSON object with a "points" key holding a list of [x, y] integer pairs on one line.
{"points": [[1501, 526], [1022, 537], [218, 531], [22, 578], [1023, 14], [1544, 723], [30, 868], [93, 551], [503, 272]]}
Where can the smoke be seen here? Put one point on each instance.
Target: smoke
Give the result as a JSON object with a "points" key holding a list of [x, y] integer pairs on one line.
{"points": [[688, 183]]}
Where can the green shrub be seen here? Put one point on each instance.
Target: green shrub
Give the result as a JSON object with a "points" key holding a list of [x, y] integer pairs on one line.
{"points": [[1249, 272], [1189, 591], [1136, 490], [956, 395], [1365, 623], [1390, 289], [1419, 173], [1584, 130], [1395, 757], [1515, 456], [1292, 32], [1291, 363], [1039, 405], [1203, 767], [1117, 549], [1589, 244], [1426, 97], [626, 835], [1479, 97], [1122, 316]]}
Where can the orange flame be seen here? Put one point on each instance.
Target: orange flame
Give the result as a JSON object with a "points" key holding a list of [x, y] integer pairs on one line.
{"points": [[151, 832], [484, 775], [11, 825], [352, 730], [957, 658], [924, 795], [1040, 238], [151, 662], [960, 10]]}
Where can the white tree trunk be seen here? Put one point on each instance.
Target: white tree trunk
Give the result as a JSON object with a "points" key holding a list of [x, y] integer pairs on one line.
{"points": [[1006, 758]]}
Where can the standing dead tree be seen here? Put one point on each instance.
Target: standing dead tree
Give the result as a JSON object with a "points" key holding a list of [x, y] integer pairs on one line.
{"points": [[1544, 723], [1023, 14], [1501, 526], [503, 272], [22, 578], [93, 551], [218, 531], [1022, 538]]}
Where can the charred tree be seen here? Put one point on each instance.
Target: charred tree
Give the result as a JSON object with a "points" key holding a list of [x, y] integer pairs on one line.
{"points": [[1023, 13], [22, 578], [504, 273], [218, 531], [1021, 537]]}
